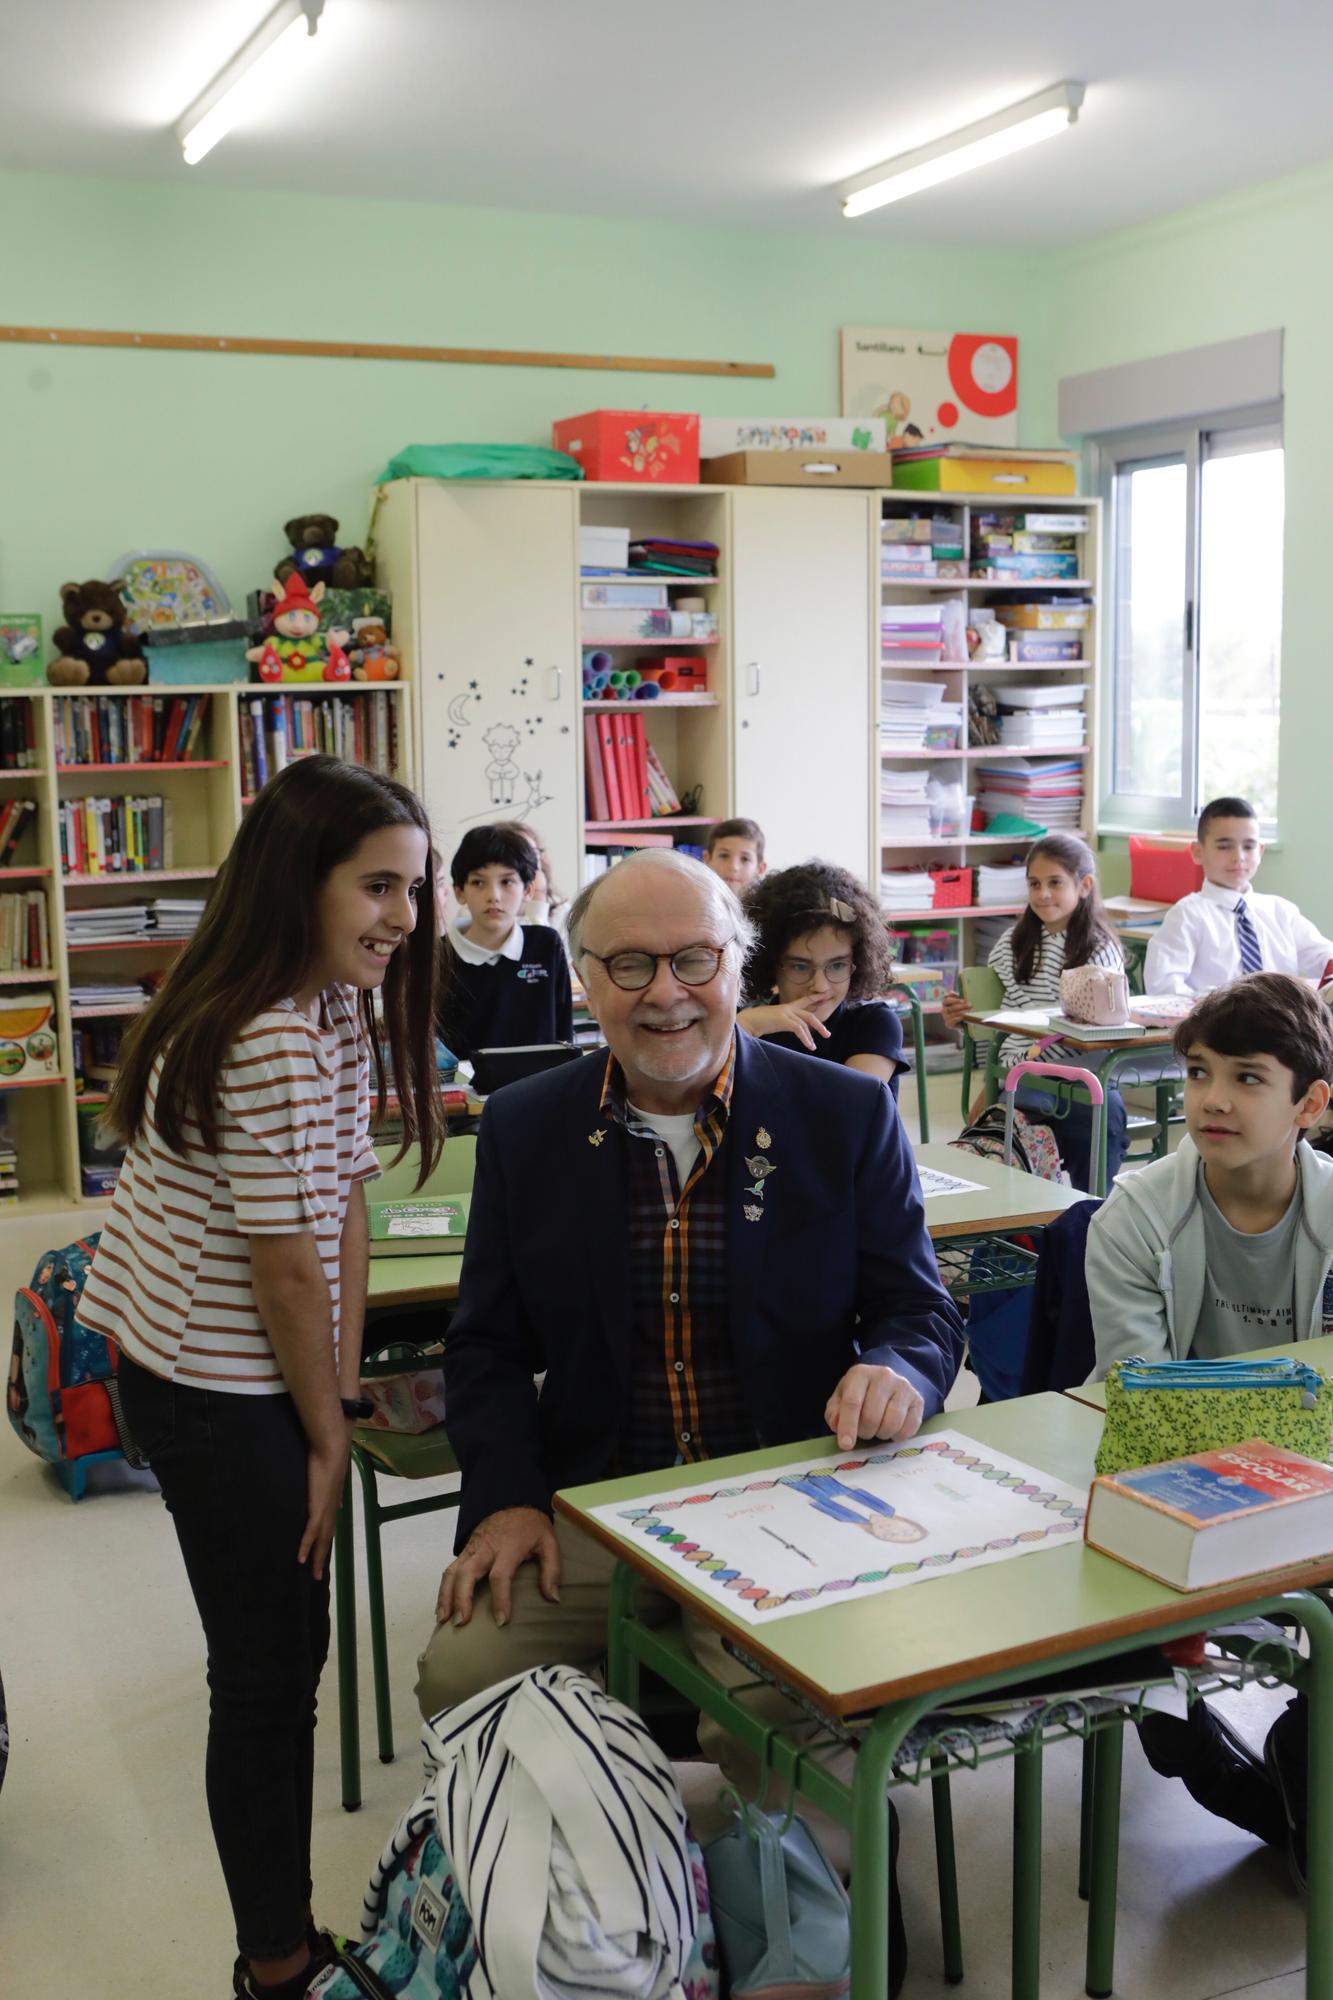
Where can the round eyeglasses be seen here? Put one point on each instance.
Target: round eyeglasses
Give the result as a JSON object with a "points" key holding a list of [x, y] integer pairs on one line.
{"points": [[692, 965], [801, 971]]}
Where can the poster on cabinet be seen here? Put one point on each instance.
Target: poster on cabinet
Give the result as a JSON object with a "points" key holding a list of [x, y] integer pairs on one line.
{"points": [[932, 388]]}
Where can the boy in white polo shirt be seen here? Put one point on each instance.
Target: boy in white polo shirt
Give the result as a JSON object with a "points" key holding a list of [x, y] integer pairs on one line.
{"points": [[1226, 929]]}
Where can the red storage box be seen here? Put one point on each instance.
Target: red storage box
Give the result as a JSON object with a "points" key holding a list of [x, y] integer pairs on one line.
{"points": [[953, 888], [1161, 874], [656, 447]]}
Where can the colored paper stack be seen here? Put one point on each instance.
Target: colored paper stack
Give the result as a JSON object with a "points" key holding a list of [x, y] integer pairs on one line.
{"points": [[1046, 790]]}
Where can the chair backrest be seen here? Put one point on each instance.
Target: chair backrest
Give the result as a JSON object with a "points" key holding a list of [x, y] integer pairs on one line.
{"points": [[453, 1175], [1161, 874], [984, 994]]}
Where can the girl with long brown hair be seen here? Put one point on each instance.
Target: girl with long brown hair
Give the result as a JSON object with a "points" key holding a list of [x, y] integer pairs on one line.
{"points": [[231, 1273]]}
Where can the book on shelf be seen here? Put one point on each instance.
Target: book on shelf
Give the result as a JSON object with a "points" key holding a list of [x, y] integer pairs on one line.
{"points": [[1214, 1516], [274, 728], [624, 776], [129, 729], [15, 815], [125, 836], [25, 939], [18, 736]]}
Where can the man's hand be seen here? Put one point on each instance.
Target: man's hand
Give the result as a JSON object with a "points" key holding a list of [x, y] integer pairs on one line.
{"points": [[495, 1549], [797, 1018], [873, 1403]]}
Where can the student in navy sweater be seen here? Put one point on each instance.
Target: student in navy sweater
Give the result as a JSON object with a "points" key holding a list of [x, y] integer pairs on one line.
{"points": [[506, 984]]}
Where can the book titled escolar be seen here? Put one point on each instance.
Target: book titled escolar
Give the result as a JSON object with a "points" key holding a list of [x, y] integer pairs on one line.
{"points": [[1215, 1516]]}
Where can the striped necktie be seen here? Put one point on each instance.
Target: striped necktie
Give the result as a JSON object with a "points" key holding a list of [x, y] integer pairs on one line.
{"points": [[1247, 937]]}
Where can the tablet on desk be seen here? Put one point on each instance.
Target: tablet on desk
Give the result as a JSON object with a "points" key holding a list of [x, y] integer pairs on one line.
{"points": [[492, 1069]]}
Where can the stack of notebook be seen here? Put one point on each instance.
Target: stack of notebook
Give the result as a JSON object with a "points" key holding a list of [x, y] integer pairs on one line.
{"points": [[668, 558]]}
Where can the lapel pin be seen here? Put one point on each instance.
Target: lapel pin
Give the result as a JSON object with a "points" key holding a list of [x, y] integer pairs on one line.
{"points": [[752, 1212], [763, 1139], [596, 1138]]}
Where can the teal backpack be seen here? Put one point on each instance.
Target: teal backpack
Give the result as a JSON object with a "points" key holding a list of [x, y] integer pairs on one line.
{"points": [[61, 1395]]}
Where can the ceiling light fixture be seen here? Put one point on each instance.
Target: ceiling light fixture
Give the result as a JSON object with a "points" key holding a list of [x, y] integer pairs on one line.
{"points": [[237, 84], [1039, 117]]}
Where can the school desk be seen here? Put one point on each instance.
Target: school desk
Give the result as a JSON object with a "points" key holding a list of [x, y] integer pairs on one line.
{"points": [[412, 1281], [1008, 1198], [890, 1660], [1318, 1352], [1100, 1050]]}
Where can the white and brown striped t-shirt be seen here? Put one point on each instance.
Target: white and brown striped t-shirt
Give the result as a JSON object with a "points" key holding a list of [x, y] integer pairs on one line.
{"points": [[170, 1281]]}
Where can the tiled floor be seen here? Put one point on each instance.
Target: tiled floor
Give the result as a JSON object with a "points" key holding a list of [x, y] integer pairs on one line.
{"points": [[109, 1888]]}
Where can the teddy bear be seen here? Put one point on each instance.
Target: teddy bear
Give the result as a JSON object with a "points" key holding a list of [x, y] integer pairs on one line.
{"points": [[94, 646], [314, 540], [374, 657]]}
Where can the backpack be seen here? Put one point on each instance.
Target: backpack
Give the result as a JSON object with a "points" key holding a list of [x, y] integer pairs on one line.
{"points": [[1035, 1148], [62, 1397], [417, 1937]]}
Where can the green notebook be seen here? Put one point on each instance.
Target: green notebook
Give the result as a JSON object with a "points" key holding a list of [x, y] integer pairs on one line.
{"points": [[422, 1224]]}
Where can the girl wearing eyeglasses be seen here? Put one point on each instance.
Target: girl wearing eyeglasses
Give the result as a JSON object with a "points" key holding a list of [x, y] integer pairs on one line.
{"points": [[823, 957]]}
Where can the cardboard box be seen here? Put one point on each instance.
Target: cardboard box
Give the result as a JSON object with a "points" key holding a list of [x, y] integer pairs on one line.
{"points": [[1014, 476], [1072, 617], [28, 1043], [718, 436], [651, 447], [799, 468]]}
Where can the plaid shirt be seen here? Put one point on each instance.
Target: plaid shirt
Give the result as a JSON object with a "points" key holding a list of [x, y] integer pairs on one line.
{"points": [[686, 1401]]}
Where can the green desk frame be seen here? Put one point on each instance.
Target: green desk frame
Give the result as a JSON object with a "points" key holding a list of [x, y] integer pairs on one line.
{"points": [[1103, 1060], [1122, 1608]]}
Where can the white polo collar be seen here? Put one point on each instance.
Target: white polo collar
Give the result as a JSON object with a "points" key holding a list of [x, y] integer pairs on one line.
{"points": [[473, 954]]}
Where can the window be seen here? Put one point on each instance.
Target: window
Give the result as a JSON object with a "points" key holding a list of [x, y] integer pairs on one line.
{"points": [[1195, 631]]}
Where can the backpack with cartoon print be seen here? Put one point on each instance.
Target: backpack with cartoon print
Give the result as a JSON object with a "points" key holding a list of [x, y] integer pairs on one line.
{"points": [[61, 1394]]}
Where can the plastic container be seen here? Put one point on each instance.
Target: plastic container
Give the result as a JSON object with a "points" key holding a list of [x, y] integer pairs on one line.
{"points": [[953, 887], [210, 663]]}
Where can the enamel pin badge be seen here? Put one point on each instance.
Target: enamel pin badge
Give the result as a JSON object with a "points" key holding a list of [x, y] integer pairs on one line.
{"points": [[759, 1170]]}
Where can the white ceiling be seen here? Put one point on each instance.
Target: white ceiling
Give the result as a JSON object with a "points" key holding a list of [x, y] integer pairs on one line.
{"points": [[729, 112]]}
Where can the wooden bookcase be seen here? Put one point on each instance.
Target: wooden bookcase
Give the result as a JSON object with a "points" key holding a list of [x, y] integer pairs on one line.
{"points": [[206, 804], [960, 678]]}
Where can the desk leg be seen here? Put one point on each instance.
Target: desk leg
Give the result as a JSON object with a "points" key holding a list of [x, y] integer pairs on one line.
{"points": [[1318, 1622], [1027, 1869], [870, 1853], [622, 1665], [946, 1870], [344, 1598], [1104, 1861]]}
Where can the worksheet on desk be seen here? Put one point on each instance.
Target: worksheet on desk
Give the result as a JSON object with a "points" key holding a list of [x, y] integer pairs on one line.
{"points": [[826, 1529], [933, 1183]]}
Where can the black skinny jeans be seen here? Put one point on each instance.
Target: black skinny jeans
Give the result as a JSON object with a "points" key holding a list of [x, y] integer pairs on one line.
{"points": [[233, 1474]]}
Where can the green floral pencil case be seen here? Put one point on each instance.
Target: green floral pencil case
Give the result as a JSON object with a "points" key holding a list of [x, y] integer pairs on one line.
{"points": [[1157, 1410]]}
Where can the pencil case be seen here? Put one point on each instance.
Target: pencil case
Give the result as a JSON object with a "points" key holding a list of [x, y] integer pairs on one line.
{"points": [[1157, 1410]]}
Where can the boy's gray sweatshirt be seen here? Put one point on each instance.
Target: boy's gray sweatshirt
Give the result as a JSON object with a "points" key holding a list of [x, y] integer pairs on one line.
{"points": [[1146, 1262]]}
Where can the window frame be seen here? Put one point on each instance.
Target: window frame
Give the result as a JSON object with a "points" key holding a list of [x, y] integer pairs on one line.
{"points": [[1136, 812]]}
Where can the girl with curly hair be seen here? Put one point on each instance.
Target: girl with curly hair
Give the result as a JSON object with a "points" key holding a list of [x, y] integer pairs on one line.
{"points": [[822, 960]]}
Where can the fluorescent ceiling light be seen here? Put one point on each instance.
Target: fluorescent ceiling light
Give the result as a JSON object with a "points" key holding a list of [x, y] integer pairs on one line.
{"points": [[1039, 117], [255, 71]]}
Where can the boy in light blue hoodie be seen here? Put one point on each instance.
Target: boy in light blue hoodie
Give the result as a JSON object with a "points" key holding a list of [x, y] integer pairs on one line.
{"points": [[1226, 1247]]}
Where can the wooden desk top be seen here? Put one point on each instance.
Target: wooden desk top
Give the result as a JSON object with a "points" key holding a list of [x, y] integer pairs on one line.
{"points": [[1026, 1023], [1009, 1198], [1319, 1354], [936, 1634], [405, 1281]]}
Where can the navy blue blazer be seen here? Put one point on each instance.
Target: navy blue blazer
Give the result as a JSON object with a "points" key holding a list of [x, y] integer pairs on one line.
{"points": [[837, 1268]]}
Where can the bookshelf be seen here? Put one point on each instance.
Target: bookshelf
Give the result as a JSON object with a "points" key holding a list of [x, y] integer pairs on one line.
{"points": [[206, 800], [959, 936]]}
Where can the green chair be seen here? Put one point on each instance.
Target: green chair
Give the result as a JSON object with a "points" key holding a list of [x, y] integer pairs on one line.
{"points": [[984, 994], [428, 1455], [919, 1051]]}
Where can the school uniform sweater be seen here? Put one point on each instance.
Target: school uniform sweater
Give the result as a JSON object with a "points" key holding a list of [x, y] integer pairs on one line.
{"points": [[508, 998]]}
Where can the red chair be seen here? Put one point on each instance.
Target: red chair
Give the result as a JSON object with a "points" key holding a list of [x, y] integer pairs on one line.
{"points": [[1160, 874]]}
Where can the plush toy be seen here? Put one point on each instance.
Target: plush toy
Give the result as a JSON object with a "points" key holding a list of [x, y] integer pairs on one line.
{"points": [[317, 557], [94, 646], [297, 650], [373, 656]]}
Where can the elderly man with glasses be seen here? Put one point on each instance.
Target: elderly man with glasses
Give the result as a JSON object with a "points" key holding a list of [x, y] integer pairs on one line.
{"points": [[700, 1243]]}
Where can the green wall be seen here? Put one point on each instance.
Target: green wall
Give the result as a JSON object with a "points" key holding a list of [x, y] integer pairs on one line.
{"points": [[108, 451], [1257, 260]]}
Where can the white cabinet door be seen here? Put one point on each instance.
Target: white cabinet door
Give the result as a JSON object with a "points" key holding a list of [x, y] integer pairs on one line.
{"points": [[497, 656], [802, 664]]}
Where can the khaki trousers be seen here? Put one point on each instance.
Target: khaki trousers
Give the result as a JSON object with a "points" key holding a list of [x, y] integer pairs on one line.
{"points": [[459, 1661]]}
